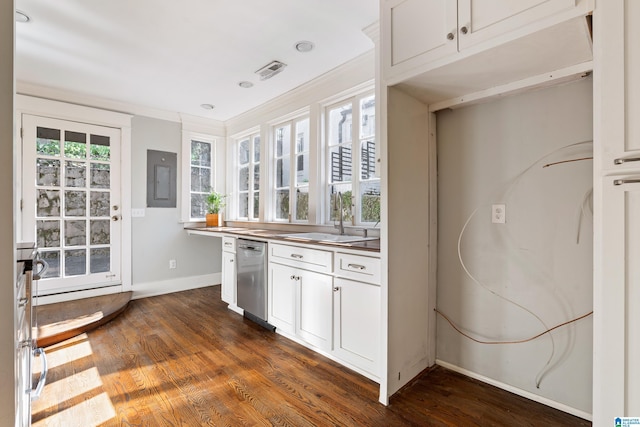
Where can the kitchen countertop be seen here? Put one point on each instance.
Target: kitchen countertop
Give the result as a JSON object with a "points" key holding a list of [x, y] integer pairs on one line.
{"points": [[366, 245]]}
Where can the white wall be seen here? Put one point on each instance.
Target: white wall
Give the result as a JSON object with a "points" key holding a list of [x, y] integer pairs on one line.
{"points": [[535, 259], [7, 241], [158, 236]]}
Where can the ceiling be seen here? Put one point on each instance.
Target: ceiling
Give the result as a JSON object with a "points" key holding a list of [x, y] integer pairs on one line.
{"points": [[176, 55]]}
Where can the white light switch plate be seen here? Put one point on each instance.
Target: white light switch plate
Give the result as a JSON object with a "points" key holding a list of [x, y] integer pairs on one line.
{"points": [[137, 213]]}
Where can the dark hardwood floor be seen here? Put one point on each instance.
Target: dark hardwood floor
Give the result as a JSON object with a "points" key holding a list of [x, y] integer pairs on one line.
{"points": [[184, 359]]}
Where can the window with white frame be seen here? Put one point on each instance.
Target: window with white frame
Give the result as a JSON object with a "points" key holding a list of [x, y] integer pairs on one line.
{"points": [[351, 161], [248, 182], [202, 155], [291, 169]]}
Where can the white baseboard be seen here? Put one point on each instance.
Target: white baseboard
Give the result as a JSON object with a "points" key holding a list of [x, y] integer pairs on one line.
{"points": [[531, 396], [74, 295], [150, 289]]}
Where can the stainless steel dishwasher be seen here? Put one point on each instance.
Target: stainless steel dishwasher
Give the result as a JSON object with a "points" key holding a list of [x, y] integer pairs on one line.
{"points": [[251, 264]]}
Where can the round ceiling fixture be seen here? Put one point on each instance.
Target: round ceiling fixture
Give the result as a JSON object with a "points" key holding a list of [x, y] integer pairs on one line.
{"points": [[245, 84], [304, 46], [22, 17], [208, 106]]}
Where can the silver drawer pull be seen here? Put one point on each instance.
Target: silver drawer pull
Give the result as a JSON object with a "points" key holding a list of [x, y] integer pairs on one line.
{"points": [[625, 181], [297, 256], [622, 161], [357, 266], [228, 244]]}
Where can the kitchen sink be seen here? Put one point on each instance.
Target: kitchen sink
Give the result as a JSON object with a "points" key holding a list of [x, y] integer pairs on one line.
{"points": [[326, 237]]}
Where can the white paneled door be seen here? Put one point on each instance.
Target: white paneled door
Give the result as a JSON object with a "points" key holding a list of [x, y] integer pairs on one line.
{"points": [[71, 202]]}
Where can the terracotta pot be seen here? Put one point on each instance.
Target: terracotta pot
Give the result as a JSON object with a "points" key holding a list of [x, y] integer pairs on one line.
{"points": [[212, 220]]}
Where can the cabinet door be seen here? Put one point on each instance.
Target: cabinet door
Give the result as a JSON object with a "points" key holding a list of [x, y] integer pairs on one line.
{"points": [[315, 308], [480, 20], [416, 32], [228, 291], [357, 324], [619, 298], [282, 297], [617, 70]]}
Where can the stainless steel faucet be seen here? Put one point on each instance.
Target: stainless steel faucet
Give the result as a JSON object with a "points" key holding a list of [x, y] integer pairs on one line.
{"points": [[340, 225]]}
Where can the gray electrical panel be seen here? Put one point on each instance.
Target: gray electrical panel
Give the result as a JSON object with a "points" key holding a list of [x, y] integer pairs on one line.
{"points": [[161, 179]]}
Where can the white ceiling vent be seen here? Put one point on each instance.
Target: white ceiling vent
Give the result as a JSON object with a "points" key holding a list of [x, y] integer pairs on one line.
{"points": [[270, 70]]}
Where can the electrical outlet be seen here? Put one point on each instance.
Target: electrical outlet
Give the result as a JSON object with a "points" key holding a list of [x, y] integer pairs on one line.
{"points": [[498, 214], [172, 263]]}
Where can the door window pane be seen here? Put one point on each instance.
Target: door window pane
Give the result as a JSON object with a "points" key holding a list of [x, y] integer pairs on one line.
{"points": [[100, 204], [53, 259], [75, 233], [256, 149], [47, 141], [75, 203], [48, 232], [47, 172], [256, 177], [100, 260], [75, 262], [75, 174], [48, 203], [100, 148], [75, 145], [100, 232], [100, 175]]}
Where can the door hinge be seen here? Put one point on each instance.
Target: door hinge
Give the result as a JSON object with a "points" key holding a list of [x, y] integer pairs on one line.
{"points": [[21, 204], [21, 133]]}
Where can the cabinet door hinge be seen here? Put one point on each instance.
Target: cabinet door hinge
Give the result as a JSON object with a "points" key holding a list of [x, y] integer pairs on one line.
{"points": [[21, 133], [21, 204]]}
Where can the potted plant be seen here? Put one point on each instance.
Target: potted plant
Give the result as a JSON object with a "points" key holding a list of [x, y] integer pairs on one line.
{"points": [[215, 202]]}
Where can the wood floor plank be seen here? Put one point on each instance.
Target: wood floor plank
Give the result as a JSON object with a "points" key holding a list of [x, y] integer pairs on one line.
{"points": [[184, 359]]}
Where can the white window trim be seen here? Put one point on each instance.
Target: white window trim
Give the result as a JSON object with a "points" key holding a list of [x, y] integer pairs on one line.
{"points": [[291, 120], [185, 165], [354, 98], [233, 200]]}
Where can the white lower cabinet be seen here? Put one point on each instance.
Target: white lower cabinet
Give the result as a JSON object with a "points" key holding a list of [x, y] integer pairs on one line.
{"points": [[300, 304], [314, 304], [229, 276], [356, 334], [282, 297], [228, 292]]}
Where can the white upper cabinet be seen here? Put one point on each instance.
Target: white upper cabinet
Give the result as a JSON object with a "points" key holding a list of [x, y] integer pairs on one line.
{"points": [[621, 96], [422, 30], [479, 20], [449, 48]]}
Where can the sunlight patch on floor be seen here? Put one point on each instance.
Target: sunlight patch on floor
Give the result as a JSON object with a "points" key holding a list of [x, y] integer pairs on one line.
{"points": [[89, 413], [71, 396]]}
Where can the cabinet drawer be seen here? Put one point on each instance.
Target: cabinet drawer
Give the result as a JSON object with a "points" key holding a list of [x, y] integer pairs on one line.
{"points": [[229, 244], [308, 259], [357, 267]]}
